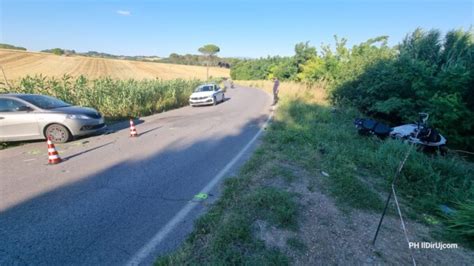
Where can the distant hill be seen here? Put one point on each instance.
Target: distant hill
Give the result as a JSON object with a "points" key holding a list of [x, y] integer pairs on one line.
{"points": [[66, 52], [13, 47], [59, 51], [126, 57]]}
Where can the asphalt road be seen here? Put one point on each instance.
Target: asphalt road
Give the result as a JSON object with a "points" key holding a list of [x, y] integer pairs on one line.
{"points": [[114, 198]]}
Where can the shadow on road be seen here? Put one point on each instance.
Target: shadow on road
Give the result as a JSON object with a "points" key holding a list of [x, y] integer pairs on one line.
{"points": [[105, 217], [148, 131], [122, 125], [86, 151]]}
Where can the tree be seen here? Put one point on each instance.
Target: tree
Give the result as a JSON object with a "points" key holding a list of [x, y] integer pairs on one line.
{"points": [[209, 50], [303, 53], [56, 51]]}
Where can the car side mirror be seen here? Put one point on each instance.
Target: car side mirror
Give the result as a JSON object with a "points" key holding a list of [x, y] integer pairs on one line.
{"points": [[24, 108]]}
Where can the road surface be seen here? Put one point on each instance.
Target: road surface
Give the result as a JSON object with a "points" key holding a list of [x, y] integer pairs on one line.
{"points": [[118, 200]]}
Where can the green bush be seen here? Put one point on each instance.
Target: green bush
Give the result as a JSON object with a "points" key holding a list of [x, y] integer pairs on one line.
{"points": [[461, 223], [285, 68], [429, 74], [424, 73], [253, 69]]}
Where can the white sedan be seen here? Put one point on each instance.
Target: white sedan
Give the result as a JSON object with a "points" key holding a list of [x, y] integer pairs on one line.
{"points": [[207, 94]]}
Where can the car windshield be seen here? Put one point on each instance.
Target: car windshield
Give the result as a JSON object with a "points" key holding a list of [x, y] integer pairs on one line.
{"points": [[204, 88], [44, 102]]}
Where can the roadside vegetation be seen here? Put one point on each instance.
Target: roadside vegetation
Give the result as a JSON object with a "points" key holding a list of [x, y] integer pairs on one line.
{"points": [[115, 99], [311, 150], [315, 185], [426, 72]]}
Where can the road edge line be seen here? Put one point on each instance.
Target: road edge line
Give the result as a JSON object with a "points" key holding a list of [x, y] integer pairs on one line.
{"points": [[147, 249]]}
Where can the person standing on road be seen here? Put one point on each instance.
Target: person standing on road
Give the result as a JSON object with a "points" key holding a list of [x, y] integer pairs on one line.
{"points": [[276, 84]]}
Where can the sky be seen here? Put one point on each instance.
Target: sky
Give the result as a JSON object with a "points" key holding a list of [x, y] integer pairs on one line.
{"points": [[241, 28]]}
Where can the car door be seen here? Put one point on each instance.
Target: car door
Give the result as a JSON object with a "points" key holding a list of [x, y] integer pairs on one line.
{"points": [[17, 121], [219, 94]]}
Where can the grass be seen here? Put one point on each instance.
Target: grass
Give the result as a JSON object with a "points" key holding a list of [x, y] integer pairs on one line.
{"points": [[225, 235], [318, 139], [461, 223], [273, 205], [308, 134], [359, 167], [314, 93]]}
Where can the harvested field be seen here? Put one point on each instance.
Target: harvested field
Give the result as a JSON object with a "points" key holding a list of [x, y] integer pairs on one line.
{"points": [[17, 64]]}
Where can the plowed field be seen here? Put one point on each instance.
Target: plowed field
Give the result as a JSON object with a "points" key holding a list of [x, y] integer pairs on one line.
{"points": [[17, 64]]}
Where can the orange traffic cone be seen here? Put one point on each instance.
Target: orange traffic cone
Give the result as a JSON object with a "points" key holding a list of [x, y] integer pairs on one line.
{"points": [[133, 130], [53, 156]]}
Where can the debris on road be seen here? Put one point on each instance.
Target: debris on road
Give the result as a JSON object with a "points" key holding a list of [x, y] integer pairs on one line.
{"points": [[33, 152], [201, 196]]}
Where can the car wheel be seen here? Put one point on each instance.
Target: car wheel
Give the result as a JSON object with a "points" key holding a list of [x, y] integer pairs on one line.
{"points": [[214, 102], [58, 133], [223, 97]]}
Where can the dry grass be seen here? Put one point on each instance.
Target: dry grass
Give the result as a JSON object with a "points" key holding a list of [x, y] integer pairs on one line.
{"points": [[18, 64], [313, 92]]}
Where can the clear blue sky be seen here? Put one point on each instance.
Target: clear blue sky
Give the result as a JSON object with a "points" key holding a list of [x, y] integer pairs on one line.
{"points": [[240, 28]]}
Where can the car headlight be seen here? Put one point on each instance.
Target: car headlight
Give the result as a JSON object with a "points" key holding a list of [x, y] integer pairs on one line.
{"points": [[77, 116]]}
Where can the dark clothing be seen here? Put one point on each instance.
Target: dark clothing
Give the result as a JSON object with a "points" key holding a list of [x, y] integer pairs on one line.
{"points": [[276, 84]]}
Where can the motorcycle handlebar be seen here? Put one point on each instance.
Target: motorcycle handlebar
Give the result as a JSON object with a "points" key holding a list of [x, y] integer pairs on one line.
{"points": [[423, 117]]}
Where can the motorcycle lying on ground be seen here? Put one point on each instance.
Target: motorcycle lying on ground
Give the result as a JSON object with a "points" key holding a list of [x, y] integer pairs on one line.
{"points": [[419, 133]]}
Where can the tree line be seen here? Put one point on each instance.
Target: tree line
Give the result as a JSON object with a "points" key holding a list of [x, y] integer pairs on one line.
{"points": [[13, 47], [199, 60], [426, 72]]}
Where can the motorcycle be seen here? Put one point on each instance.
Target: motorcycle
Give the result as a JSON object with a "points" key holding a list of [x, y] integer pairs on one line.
{"points": [[418, 133]]}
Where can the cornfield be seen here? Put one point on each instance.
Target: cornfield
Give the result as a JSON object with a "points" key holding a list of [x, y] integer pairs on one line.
{"points": [[113, 98]]}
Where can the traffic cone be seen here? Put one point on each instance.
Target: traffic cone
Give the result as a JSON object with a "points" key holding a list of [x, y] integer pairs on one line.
{"points": [[133, 130], [53, 156]]}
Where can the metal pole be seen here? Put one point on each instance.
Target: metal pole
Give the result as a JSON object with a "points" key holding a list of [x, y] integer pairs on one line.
{"points": [[392, 191], [381, 218]]}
